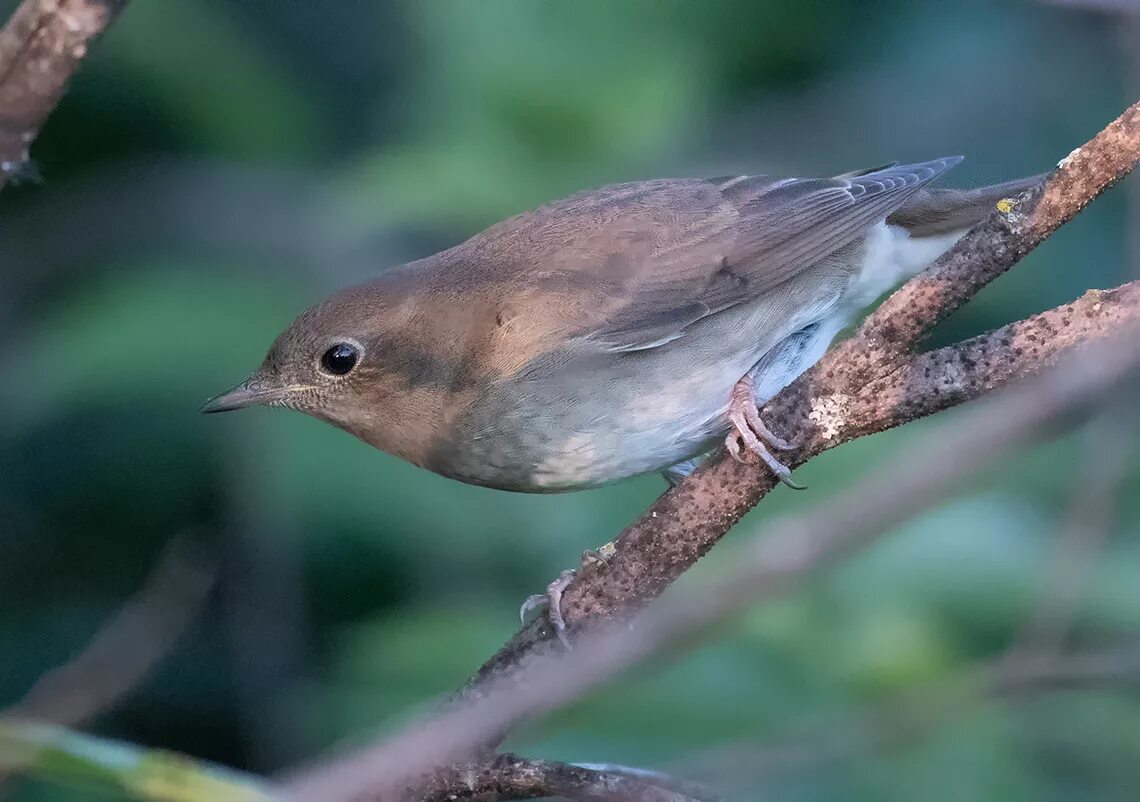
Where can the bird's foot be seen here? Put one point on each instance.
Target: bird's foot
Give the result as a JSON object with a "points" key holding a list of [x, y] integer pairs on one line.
{"points": [[552, 598], [552, 601], [751, 431]]}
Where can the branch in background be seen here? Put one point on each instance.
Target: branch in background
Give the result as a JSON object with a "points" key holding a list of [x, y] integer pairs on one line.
{"points": [[41, 47], [778, 559], [124, 651], [900, 721], [1088, 524], [830, 405]]}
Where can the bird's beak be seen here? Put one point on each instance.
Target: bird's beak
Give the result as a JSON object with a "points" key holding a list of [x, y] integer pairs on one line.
{"points": [[253, 391]]}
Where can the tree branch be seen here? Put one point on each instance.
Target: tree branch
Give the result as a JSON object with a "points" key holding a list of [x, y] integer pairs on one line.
{"points": [[508, 776], [833, 402], [40, 49]]}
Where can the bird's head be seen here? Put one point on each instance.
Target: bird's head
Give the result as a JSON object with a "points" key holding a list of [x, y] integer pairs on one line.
{"points": [[327, 363], [378, 360]]}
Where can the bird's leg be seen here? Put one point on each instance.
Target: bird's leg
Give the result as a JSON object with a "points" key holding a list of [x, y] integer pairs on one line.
{"points": [[675, 474], [749, 429], [552, 598], [552, 601]]}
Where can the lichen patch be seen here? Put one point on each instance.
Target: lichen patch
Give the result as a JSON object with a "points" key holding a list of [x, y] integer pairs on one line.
{"points": [[829, 413]]}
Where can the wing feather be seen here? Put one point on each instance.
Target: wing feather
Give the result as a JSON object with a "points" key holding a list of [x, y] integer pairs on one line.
{"points": [[631, 266], [781, 228]]}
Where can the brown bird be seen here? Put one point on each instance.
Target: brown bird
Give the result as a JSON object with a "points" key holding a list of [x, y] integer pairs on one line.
{"points": [[617, 331]]}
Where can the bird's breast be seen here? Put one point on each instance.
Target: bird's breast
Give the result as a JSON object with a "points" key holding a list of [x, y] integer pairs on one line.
{"points": [[592, 422]]}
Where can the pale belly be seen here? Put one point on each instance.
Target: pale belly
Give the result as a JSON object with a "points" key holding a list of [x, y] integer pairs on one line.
{"points": [[609, 418], [681, 422]]}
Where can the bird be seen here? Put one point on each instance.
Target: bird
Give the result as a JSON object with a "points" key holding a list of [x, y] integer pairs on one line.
{"points": [[618, 331]]}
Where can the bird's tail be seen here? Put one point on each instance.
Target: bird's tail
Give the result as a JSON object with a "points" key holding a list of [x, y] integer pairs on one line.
{"points": [[932, 212]]}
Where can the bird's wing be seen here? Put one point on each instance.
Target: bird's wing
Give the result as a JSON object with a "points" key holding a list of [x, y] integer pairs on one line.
{"points": [[630, 266], [763, 233]]}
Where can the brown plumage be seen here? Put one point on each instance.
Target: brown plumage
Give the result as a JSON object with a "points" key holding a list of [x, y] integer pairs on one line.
{"points": [[602, 335]]}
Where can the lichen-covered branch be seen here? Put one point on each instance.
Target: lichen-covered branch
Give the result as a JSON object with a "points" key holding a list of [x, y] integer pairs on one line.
{"points": [[831, 403], [937, 380], [1015, 228], [41, 46]]}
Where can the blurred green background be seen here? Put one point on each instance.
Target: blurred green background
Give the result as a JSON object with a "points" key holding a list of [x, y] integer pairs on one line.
{"points": [[220, 164]]}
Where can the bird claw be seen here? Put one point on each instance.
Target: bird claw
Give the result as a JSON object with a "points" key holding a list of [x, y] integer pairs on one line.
{"points": [[552, 601], [748, 428], [531, 603]]}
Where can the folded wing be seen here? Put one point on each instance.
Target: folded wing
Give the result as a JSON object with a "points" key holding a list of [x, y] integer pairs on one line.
{"points": [[758, 232]]}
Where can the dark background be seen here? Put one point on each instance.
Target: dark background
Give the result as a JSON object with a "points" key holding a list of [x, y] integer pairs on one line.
{"points": [[219, 165]]}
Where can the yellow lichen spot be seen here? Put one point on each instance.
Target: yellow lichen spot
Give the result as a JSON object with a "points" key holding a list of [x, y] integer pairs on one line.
{"points": [[1005, 205]]}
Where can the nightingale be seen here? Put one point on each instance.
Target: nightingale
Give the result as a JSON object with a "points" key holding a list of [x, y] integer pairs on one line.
{"points": [[617, 331]]}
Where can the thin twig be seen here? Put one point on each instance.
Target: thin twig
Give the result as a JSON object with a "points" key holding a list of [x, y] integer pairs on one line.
{"points": [[128, 646]]}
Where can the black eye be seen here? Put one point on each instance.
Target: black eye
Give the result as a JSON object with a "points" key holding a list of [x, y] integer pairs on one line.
{"points": [[340, 359]]}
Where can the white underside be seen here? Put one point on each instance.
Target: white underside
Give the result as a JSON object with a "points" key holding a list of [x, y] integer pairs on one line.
{"points": [[889, 258]]}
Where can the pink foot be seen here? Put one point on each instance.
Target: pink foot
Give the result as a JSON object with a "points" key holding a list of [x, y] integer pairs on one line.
{"points": [[749, 429], [552, 601]]}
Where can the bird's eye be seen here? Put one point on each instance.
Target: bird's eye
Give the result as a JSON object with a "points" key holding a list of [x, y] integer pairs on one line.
{"points": [[340, 359]]}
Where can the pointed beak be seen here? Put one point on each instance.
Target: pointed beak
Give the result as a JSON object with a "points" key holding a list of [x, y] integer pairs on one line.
{"points": [[254, 391]]}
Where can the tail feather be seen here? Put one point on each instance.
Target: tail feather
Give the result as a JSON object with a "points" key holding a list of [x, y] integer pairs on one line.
{"points": [[932, 212]]}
